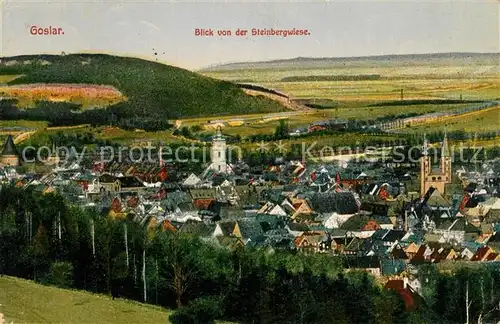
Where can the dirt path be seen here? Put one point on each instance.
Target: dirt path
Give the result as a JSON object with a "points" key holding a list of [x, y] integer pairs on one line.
{"points": [[286, 102]]}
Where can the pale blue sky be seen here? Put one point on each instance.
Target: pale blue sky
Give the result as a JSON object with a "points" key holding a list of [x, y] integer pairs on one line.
{"points": [[338, 28]]}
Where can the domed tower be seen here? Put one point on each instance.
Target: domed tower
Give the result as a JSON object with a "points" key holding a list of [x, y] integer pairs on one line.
{"points": [[218, 155], [218, 152], [9, 155]]}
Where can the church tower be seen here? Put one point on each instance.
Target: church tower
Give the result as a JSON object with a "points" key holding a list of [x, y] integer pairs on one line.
{"points": [[218, 152], [436, 178], [9, 155], [218, 155]]}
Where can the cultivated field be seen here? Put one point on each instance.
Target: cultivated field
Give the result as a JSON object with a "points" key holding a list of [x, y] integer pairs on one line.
{"points": [[481, 121], [87, 95], [258, 124], [354, 85], [23, 301], [471, 82]]}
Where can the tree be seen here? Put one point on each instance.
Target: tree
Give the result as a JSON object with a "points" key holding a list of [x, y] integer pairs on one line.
{"points": [[281, 130]]}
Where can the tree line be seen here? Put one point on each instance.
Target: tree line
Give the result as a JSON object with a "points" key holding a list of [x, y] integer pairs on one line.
{"points": [[44, 238], [67, 114]]}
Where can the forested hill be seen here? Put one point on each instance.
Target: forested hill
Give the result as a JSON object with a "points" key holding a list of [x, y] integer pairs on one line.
{"points": [[151, 88], [404, 60]]}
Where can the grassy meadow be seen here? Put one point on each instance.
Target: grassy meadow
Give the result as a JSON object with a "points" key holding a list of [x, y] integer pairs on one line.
{"points": [[23, 301]]}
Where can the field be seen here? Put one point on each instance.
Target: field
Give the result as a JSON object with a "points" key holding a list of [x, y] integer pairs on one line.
{"points": [[482, 121], [151, 88], [7, 78], [354, 85], [357, 89], [257, 124], [23, 301], [86, 95], [421, 83]]}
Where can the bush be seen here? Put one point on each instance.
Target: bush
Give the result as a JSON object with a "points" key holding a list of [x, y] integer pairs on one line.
{"points": [[61, 274], [201, 310]]}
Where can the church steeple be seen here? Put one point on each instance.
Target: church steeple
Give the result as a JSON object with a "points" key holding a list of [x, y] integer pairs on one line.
{"points": [[9, 154], [437, 179], [445, 150], [425, 147], [9, 148]]}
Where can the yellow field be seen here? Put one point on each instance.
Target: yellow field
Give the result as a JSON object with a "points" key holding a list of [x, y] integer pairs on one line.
{"points": [[82, 94], [7, 78]]}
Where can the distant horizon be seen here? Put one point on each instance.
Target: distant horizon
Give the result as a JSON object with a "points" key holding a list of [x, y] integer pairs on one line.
{"points": [[165, 31], [342, 57], [222, 64]]}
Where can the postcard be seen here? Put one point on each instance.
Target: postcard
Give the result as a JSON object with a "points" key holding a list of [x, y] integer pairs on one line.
{"points": [[249, 161]]}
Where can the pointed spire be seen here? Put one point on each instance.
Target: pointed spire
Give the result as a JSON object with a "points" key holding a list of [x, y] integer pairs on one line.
{"points": [[445, 150], [9, 147], [425, 146]]}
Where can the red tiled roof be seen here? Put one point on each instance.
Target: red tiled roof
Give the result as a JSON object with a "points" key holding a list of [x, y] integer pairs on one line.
{"points": [[491, 256], [203, 203], [480, 253]]}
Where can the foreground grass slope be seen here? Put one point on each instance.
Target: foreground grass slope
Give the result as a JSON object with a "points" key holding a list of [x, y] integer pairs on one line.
{"points": [[23, 301], [150, 87]]}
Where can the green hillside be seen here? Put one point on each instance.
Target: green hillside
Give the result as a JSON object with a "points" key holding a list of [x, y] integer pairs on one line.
{"points": [[153, 89], [23, 301]]}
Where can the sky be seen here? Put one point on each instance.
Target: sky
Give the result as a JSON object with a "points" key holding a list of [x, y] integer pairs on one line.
{"points": [[337, 28]]}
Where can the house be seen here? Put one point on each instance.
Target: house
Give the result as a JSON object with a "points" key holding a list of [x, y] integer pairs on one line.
{"points": [[203, 197], [340, 238], [466, 254], [272, 209], [200, 229], [494, 241], [443, 254], [370, 264], [316, 241], [108, 183], [131, 184], [482, 254], [411, 249], [328, 203], [392, 267], [301, 207], [224, 228], [361, 225], [423, 255], [296, 229], [409, 295], [248, 230], [191, 181], [354, 246], [452, 230]]}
